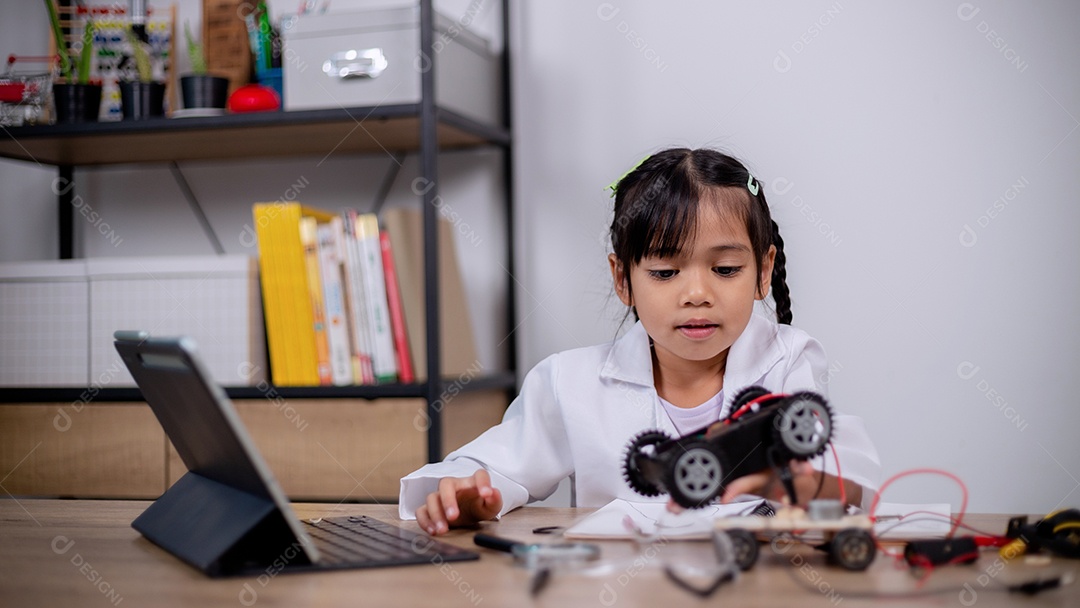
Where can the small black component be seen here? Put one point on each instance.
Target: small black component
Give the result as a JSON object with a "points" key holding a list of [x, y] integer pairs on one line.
{"points": [[936, 552]]}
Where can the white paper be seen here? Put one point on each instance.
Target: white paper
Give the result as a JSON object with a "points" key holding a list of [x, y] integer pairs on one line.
{"points": [[895, 521], [621, 519]]}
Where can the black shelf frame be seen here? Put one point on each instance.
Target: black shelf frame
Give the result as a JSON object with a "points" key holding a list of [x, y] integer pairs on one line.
{"points": [[496, 381], [266, 134]]}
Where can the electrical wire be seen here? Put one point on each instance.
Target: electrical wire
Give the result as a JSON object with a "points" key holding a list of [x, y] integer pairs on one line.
{"points": [[839, 476]]}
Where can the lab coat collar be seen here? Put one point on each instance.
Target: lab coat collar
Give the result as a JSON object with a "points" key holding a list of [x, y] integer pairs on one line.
{"points": [[752, 355], [630, 358]]}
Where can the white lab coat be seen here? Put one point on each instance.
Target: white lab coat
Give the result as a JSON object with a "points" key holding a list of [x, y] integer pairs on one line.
{"points": [[579, 409]]}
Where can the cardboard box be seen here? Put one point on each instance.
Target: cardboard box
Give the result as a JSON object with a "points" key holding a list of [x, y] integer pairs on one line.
{"points": [[44, 324], [372, 58], [213, 299]]}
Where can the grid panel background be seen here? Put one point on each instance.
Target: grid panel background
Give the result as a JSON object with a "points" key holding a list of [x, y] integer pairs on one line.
{"points": [[215, 310], [43, 333]]}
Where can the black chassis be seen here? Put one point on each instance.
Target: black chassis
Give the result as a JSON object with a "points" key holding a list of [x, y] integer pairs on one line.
{"points": [[693, 469]]}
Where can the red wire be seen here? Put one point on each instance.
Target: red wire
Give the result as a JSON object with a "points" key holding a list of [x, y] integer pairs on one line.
{"points": [[742, 410], [899, 556], [839, 477], [963, 488]]}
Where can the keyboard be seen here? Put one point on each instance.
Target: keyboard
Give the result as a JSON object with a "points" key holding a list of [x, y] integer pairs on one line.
{"points": [[361, 541]]}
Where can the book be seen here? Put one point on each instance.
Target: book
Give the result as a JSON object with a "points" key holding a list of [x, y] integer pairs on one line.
{"points": [[289, 316], [397, 313], [383, 360], [274, 301], [330, 237], [308, 229], [355, 301], [458, 348]]}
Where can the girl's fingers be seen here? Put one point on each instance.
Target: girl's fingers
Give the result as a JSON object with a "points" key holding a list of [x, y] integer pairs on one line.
{"points": [[482, 480], [422, 519], [448, 495], [437, 519], [753, 483]]}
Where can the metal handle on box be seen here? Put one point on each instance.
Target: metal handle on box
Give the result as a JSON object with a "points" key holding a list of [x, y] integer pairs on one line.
{"points": [[356, 63]]}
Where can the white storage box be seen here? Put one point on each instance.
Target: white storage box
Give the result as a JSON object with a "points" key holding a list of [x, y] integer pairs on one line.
{"points": [[44, 325], [213, 299], [372, 58]]}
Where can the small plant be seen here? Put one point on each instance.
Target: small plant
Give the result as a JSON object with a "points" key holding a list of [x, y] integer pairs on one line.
{"points": [[80, 72], [195, 52], [143, 66]]}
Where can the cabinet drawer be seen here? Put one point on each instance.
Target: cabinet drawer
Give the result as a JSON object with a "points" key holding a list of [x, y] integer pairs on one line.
{"points": [[98, 450]]}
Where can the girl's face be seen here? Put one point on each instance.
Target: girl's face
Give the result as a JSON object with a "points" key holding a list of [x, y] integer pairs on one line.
{"points": [[695, 304]]}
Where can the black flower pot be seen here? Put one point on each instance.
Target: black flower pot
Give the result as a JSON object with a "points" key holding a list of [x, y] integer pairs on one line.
{"points": [[142, 100], [77, 102], [204, 91]]}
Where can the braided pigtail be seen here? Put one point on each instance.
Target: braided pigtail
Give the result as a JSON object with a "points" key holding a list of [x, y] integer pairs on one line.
{"points": [[780, 292]]}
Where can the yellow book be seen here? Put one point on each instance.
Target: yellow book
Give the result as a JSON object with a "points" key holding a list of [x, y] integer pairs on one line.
{"points": [[290, 320], [309, 240], [270, 278], [299, 334]]}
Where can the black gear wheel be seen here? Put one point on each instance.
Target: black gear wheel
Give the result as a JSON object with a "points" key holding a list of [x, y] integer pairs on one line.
{"points": [[632, 473], [747, 395], [804, 425], [696, 475]]}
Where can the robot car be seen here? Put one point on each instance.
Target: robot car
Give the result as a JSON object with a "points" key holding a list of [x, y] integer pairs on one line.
{"points": [[764, 430]]}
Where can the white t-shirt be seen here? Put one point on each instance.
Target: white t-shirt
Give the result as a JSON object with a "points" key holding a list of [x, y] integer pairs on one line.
{"points": [[690, 419]]}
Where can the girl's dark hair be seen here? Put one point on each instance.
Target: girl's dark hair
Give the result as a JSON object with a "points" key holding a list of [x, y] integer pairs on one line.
{"points": [[656, 210]]}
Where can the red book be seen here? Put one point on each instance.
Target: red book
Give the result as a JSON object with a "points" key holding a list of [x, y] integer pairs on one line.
{"points": [[397, 314]]}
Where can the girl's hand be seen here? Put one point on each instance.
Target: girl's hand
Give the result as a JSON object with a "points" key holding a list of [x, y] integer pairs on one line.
{"points": [[767, 484], [460, 501]]}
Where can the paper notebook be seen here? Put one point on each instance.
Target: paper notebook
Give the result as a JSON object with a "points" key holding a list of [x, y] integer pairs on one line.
{"points": [[621, 519]]}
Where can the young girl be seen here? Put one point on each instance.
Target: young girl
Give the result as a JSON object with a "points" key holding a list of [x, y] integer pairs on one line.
{"points": [[694, 247]]}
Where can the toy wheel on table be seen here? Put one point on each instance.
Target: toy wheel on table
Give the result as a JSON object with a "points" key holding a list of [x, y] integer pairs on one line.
{"points": [[642, 446], [746, 547], [853, 549], [696, 476], [805, 426]]}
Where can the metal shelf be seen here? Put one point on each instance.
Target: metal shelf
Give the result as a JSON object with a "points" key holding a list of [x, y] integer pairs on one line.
{"points": [[423, 127]]}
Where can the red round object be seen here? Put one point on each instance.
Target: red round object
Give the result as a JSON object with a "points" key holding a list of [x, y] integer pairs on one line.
{"points": [[254, 98]]}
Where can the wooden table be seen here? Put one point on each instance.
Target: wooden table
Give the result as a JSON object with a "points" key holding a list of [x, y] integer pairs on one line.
{"points": [[85, 553]]}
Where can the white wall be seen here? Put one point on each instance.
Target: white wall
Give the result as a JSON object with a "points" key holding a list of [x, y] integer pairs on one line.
{"points": [[881, 132]]}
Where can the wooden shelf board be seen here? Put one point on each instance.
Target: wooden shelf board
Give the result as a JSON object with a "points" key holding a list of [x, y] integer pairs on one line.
{"points": [[269, 134], [26, 395]]}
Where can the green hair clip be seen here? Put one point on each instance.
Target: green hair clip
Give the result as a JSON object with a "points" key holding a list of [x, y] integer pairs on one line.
{"points": [[614, 186], [752, 185]]}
